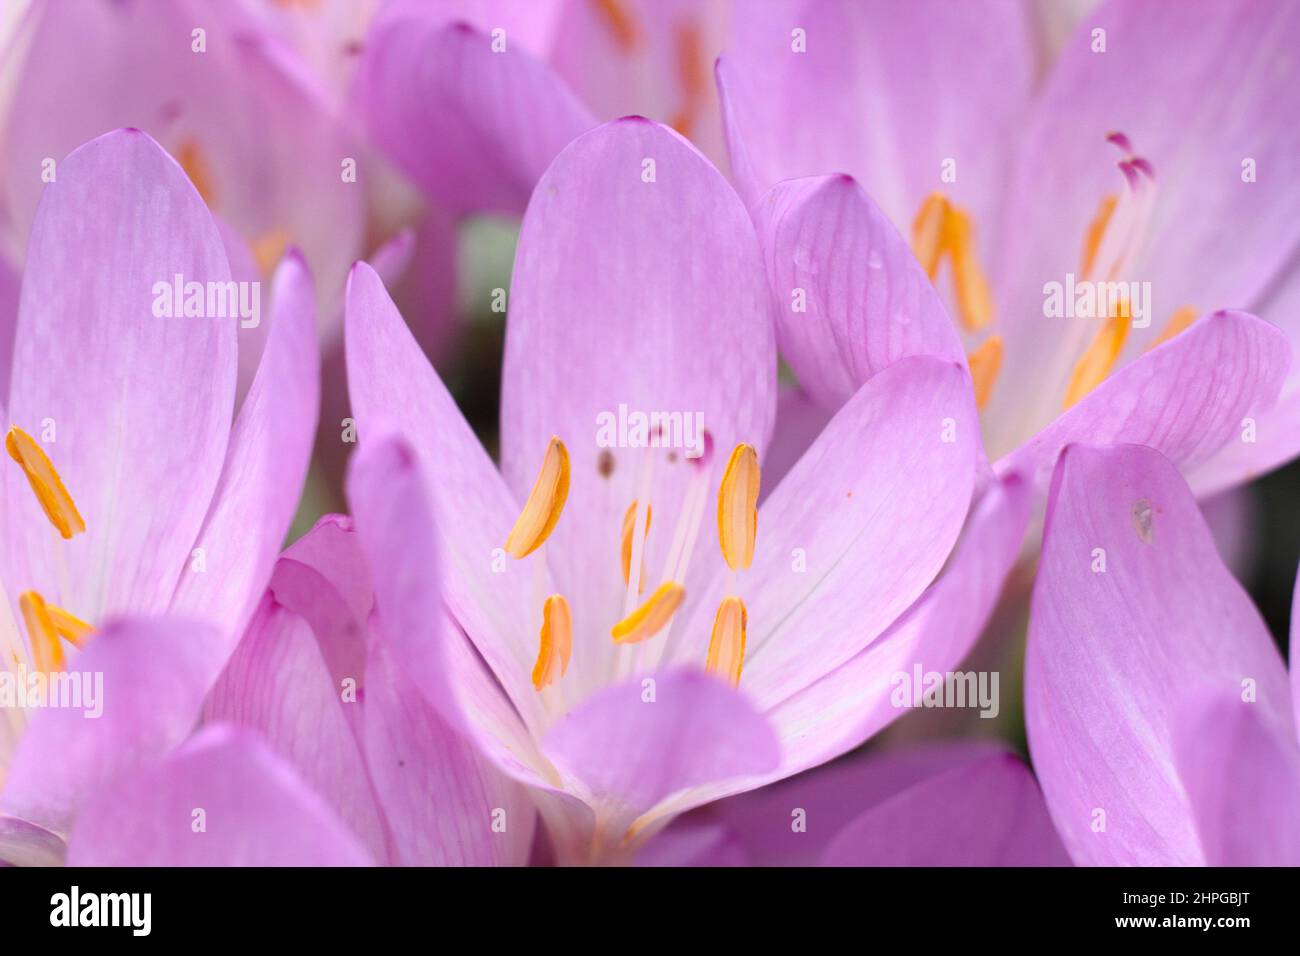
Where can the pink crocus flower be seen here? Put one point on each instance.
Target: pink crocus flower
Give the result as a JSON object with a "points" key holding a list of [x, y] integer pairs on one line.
{"points": [[1160, 717], [889, 809], [1160, 131], [638, 283], [130, 493]]}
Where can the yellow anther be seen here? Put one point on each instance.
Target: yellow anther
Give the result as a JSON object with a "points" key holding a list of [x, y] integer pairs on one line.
{"points": [[985, 362], [692, 76], [629, 522], [1100, 357], [268, 249], [70, 627], [1177, 324], [47, 651], [738, 507], [45, 481], [195, 164], [556, 642], [727, 645], [545, 502], [942, 229], [928, 231], [649, 619], [1096, 232]]}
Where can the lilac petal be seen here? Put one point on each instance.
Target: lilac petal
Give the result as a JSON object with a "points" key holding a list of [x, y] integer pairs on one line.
{"points": [[1113, 655], [1294, 645], [999, 820], [824, 801], [473, 128], [266, 463], [148, 677], [279, 685], [850, 295], [23, 843], [140, 409], [634, 743], [395, 390], [898, 88], [853, 702], [602, 317], [1243, 783], [872, 510], [445, 804], [255, 812], [1185, 399]]}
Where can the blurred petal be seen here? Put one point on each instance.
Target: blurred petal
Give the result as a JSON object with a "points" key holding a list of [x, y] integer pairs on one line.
{"points": [[148, 678], [1186, 399], [474, 128], [636, 293], [999, 820], [885, 92], [266, 463], [141, 405], [1114, 654], [1243, 783], [694, 844], [255, 128], [855, 532], [866, 300], [255, 812], [23, 843]]}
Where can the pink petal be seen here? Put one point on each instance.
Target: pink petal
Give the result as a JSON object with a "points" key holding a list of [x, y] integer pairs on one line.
{"points": [[255, 812], [1114, 656], [149, 677], [140, 408], [1243, 783], [266, 463], [864, 299]]}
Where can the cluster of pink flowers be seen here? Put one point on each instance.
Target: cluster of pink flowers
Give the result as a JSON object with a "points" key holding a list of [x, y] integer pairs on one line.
{"points": [[1034, 283]]}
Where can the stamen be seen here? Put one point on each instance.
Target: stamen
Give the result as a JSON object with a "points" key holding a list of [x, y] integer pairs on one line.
{"points": [[927, 233], [545, 502], [738, 507], [985, 362], [70, 627], [727, 645], [268, 249], [556, 644], [940, 229], [649, 619], [196, 167], [1177, 324], [1100, 357], [620, 23], [45, 481], [691, 74], [1096, 230], [629, 525], [47, 651]]}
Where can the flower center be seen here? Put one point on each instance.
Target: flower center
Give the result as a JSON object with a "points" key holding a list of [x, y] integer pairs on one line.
{"points": [[653, 616]]}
